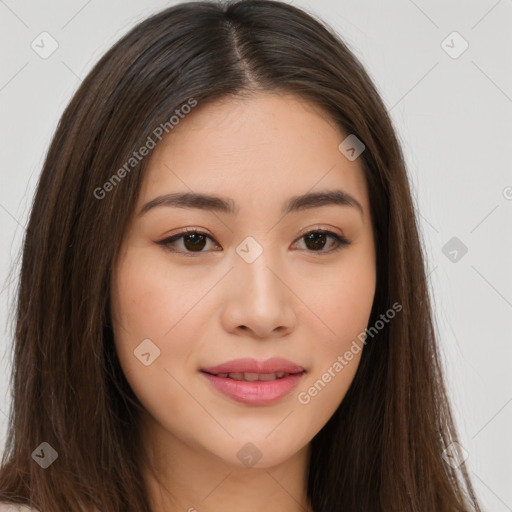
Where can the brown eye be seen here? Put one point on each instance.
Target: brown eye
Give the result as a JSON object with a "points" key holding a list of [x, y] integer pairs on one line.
{"points": [[193, 242], [317, 240]]}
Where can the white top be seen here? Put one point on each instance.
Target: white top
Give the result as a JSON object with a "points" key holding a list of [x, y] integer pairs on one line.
{"points": [[9, 507]]}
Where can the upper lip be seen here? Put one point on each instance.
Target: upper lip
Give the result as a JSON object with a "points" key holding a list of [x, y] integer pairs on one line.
{"points": [[248, 365]]}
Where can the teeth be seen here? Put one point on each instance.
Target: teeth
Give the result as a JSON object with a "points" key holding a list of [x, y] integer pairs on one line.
{"points": [[268, 376], [252, 377]]}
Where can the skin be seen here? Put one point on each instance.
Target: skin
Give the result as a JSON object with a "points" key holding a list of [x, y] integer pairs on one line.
{"points": [[292, 302]]}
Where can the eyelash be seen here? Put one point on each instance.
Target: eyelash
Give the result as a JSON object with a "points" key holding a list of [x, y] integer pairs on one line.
{"points": [[341, 242]]}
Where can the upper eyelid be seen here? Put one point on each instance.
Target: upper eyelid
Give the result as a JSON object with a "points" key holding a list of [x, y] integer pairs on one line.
{"points": [[200, 231]]}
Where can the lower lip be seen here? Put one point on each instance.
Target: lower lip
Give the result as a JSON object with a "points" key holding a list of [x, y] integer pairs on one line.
{"points": [[255, 392]]}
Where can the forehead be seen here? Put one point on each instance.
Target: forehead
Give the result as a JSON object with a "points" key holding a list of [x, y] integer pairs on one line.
{"points": [[254, 149]]}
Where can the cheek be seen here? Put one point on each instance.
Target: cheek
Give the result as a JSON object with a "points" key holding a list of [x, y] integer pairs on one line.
{"points": [[148, 310], [150, 299], [341, 299], [344, 306]]}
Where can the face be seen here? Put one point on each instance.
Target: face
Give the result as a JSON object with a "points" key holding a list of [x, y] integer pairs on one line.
{"points": [[261, 273]]}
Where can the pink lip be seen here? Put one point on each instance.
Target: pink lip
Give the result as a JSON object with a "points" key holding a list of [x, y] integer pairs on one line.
{"points": [[255, 392], [272, 365]]}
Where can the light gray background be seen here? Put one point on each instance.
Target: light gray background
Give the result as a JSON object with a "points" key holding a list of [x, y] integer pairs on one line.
{"points": [[453, 116]]}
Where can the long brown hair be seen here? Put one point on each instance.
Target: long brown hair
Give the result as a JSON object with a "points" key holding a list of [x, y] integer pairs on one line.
{"points": [[382, 449]]}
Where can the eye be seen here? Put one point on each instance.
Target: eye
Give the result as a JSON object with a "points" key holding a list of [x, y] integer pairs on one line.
{"points": [[195, 241], [316, 240]]}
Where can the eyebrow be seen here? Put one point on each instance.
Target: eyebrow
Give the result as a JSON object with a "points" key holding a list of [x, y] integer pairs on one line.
{"points": [[228, 206]]}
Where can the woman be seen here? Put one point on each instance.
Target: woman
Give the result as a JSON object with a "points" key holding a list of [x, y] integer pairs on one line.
{"points": [[223, 301]]}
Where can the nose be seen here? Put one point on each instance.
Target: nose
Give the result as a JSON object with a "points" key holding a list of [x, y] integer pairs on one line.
{"points": [[258, 300]]}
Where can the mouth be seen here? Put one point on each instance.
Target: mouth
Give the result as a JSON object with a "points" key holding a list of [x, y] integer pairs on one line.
{"points": [[255, 383], [247, 368], [252, 377]]}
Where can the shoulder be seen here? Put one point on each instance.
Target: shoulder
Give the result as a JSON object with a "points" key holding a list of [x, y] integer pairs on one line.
{"points": [[11, 507]]}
